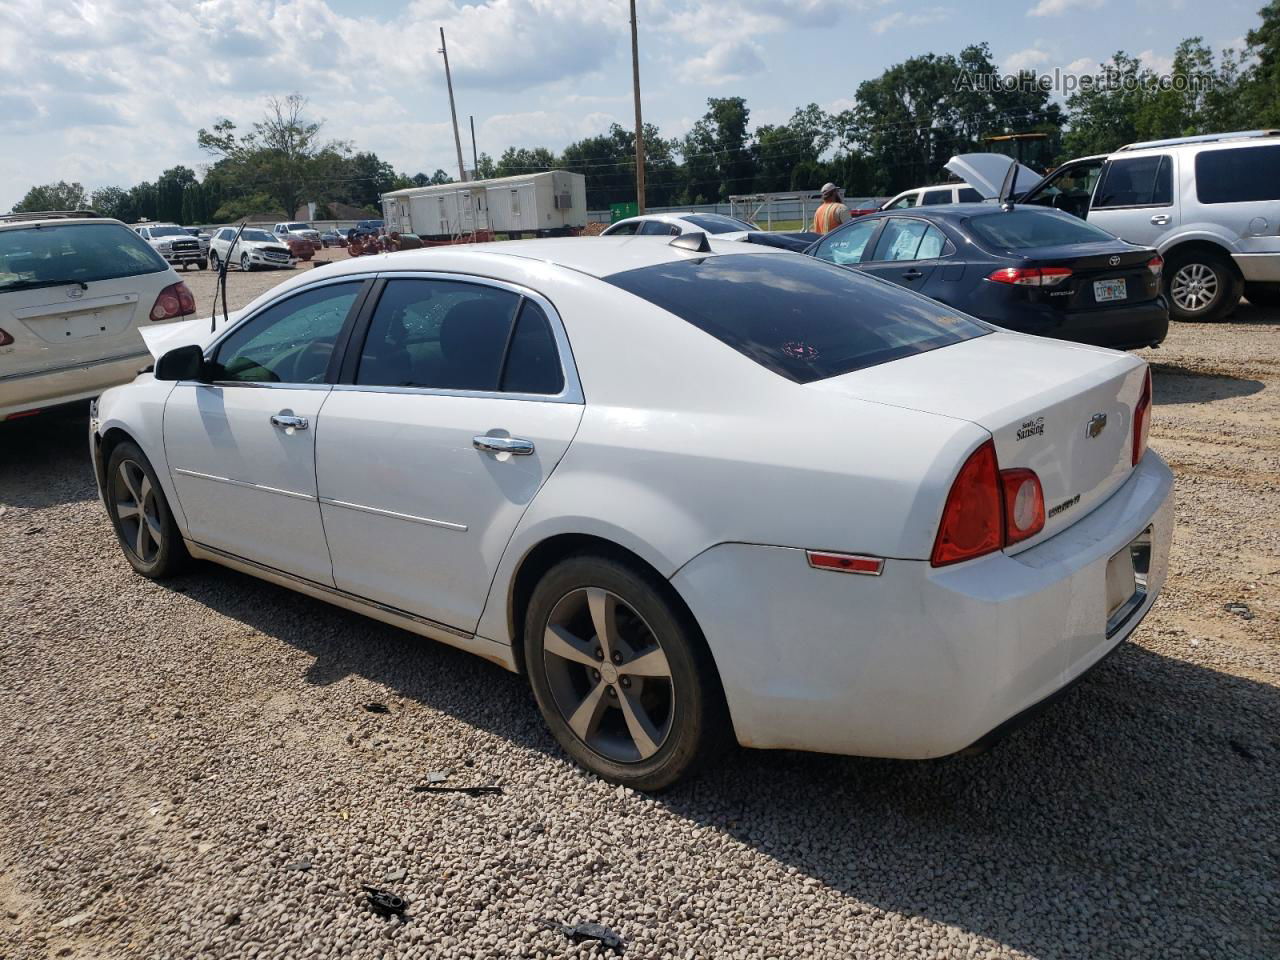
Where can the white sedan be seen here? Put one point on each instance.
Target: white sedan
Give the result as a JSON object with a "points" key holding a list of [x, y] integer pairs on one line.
{"points": [[695, 491], [675, 224]]}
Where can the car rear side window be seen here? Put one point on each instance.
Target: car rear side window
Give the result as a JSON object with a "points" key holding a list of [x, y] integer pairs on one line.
{"points": [[532, 364], [934, 197], [801, 318], [969, 195], [717, 223], [1023, 229], [1136, 182], [52, 254], [1238, 175]]}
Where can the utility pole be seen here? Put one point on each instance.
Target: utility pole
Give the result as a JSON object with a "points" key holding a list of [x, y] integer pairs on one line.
{"points": [[448, 79], [635, 84], [475, 157]]}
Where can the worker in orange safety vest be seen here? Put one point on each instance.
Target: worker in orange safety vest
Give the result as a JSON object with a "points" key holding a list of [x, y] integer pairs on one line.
{"points": [[832, 212]]}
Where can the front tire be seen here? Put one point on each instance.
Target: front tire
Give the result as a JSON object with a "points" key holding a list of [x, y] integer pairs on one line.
{"points": [[213, 260], [1263, 294], [141, 516], [245, 263], [1203, 286], [621, 673]]}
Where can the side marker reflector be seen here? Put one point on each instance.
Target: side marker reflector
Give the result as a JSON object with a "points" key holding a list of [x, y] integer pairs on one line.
{"points": [[845, 562]]}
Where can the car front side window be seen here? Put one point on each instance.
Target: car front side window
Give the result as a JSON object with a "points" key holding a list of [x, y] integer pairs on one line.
{"points": [[847, 246], [900, 239], [1136, 182], [291, 341]]}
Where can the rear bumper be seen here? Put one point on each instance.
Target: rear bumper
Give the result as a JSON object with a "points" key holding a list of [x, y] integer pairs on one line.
{"points": [[920, 661], [31, 391], [1258, 267], [1123, 327]]}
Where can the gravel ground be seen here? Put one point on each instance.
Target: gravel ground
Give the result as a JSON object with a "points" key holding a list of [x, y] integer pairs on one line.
{"points": [[177, 753]]}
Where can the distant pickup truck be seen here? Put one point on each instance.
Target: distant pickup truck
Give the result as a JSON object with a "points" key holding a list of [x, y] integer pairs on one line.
{"points": [[174, 244], [303, 231]]}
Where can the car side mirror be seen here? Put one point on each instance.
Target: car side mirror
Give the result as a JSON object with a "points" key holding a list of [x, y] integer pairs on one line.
{"points": [[181, 363]]}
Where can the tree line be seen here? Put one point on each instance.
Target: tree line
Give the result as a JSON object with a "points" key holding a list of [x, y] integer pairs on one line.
{"points": [[903, 126]]}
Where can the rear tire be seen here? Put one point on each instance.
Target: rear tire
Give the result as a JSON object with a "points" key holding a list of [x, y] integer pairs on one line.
{"points": [[214, 262], [141, 516], [1263, 294], [643, 707], [245, 263], [1202, 286]]}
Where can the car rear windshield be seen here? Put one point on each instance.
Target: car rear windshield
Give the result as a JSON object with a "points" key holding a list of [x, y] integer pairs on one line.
{"points": [[801, 318], [51, 254], [1238, 175], [1023, 229], [716, 223]]}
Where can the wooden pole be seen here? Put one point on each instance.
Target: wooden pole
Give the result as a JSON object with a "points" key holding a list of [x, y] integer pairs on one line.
{"points": [[635, 85], [475, 157], [448, 79]]}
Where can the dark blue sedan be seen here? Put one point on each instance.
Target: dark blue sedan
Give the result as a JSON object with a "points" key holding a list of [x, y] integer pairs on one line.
{"points": [[1024, 268]]}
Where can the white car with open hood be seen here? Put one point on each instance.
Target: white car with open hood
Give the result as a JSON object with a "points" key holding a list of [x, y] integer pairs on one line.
{"points": [[695, 490]]}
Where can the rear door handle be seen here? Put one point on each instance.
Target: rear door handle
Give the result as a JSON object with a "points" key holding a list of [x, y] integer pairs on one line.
{"points": [[912, 274], [288, 421], [512, 445], [1160, 219]]}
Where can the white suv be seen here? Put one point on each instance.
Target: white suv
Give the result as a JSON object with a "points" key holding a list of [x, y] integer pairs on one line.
{"points": [[74, 290], [255, 248], [929, 196], [1210, 205], [174, 244]]}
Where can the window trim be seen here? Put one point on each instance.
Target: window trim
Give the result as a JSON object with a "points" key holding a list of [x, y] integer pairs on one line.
{"points": [[1106, 172], [948, 248], [571, 392]]}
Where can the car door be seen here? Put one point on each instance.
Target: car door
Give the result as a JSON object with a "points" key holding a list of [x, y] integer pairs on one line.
{"points": [[906, 252], [845, 247], [241, 447], [1069, 188], [454, 409], [1134, 198]]}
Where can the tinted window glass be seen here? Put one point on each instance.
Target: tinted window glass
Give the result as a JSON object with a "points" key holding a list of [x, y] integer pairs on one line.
{"points": [[900, 239], [67, 253], [1022, 229], [969, 195], [931, 244], [715, 223], [533, 364], [797, 316], [1136, 182], [847, 245], [902, 203], [656, 228], [442, 334], [623, 229], [1241, 175], [934, 197], [289, 342]]}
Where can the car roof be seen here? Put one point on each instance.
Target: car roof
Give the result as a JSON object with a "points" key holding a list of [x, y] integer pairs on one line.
{"points": [[19, 223]]}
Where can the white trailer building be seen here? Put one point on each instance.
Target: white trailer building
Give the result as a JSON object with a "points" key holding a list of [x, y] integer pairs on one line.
{"points": [[542, 204]]}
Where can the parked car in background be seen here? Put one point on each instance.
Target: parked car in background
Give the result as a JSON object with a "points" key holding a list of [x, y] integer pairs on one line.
{"points": [[671, 529], [174, 244], [333, 238], [295, 229], [1027, 269], [1209, 204], [255, 248], [364, 228], [300, 247], [674, 224], [203, 237], [858, 206], [933, 196], [74, 291]]}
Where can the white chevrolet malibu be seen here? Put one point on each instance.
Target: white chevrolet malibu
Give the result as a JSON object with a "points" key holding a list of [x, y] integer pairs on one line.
{"points": [[694, 491]]}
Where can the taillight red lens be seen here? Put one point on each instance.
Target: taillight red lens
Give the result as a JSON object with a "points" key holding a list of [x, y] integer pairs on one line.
{"points": [[973, 518], [1023, 504], [1156, 265], [1031, 276], [1142, 420], [5, 339], [174, 301]]}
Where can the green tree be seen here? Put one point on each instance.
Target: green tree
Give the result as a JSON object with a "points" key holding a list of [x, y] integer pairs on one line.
{"points": [[1261, 86], [53, 196], [486, 169], [787, 155], [516, 160], [438, 177], [112, 202], [717, 152]]}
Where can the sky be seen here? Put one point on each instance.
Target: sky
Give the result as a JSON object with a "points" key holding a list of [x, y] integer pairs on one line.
{"points": [[113, 91]]}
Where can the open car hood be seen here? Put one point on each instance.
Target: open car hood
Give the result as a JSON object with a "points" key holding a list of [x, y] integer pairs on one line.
{"points": [[164, 337], [985, 172]]}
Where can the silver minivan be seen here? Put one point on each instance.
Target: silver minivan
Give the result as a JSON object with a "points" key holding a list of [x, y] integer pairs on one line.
{"points": [[1209, 204]]}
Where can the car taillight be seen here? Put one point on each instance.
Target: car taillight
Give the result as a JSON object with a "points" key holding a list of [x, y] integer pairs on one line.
{"points": [[973, 519], [1031, 276], [5, 338], [1142, 420], [174, 301], [987, 509], [1023, 504], [1156, 265]]}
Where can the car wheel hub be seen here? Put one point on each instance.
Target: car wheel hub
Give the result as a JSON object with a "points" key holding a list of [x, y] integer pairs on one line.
{"points": [[620, 704], [138, 512], [1194, 287]]}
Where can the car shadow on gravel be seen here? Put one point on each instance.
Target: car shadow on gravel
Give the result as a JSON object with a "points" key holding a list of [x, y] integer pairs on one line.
{"points": [[1150, 790], [1173, 384], [44, 459]]}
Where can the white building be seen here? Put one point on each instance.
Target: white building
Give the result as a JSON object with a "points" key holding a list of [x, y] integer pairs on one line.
{"points": [[542, 204]]}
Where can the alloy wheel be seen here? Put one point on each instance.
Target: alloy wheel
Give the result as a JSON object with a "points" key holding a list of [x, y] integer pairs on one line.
{"points": [[608, 675], [138, 511], [1194, 287]]}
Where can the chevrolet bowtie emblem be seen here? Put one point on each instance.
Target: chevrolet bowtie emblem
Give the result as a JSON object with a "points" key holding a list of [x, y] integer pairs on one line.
{"points": [[1097, 423]]}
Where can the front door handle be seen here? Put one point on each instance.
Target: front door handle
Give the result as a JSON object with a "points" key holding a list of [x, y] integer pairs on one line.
{"points": [[288, 421], [912, 274], [1160, 219], [512, 445]]}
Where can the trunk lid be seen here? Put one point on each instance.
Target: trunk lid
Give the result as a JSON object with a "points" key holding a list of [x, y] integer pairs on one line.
{"points": [[64, 325], [1096, 263], [1037, 398]]}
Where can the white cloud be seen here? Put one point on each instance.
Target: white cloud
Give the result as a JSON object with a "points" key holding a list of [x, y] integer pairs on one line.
{"points": [[725, 62], [1154, 61], [1055, 8], [900, 18], [1027, 59], [1082, 66]]}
